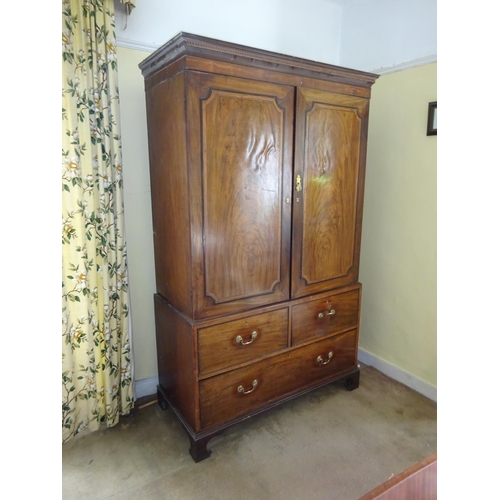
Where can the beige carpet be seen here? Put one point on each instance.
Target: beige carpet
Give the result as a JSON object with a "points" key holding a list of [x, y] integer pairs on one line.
{"points": [[329, 444]]}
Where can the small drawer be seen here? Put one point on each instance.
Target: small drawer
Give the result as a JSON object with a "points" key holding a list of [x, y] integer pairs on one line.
{"points": [[241, 391], [227, 344], [322, 317]]}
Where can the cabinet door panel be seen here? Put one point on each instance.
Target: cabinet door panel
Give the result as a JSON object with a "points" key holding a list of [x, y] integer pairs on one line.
{"points": [[330, 159], [245, 133]]}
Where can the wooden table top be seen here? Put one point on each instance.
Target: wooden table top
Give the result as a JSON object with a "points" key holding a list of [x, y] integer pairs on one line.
{"points": [[418, 482]]}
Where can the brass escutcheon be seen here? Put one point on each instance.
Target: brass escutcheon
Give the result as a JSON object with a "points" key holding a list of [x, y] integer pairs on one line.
{"points": [[298, 184]]}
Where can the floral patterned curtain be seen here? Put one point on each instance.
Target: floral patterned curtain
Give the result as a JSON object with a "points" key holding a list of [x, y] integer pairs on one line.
{"points": [[96, 359]]}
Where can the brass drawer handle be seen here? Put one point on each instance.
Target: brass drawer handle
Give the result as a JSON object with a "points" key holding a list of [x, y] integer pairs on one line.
{"points": [[239, 339], [331, 312], [320, 360], [242, 389]]}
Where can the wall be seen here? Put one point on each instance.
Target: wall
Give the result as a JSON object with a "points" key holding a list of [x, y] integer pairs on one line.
{"points": [[309, 29], [386, 33], [138, 218], [398, 264]]}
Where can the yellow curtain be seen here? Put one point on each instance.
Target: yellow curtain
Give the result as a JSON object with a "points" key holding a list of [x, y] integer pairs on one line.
{"points": [[96, 356]]}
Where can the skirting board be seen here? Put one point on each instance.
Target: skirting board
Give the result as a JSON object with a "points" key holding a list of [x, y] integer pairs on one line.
{"points": [[424, 388], [145, 387]]}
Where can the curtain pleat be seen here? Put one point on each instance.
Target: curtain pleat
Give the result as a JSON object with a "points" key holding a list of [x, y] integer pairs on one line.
{"points": [[96, 355]]}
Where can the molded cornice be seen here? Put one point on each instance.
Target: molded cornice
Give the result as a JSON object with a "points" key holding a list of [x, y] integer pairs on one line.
{"points": [[186, 44]]}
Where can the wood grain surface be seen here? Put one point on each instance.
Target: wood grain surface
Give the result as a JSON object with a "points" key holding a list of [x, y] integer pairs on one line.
{"points": [[326, 227], [418, 482], [276, 377], [218, 347], [240, 136], [307, 325]]}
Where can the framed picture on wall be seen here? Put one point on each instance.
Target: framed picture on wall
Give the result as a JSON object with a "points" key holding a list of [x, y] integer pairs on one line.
{"points": [[432, 127]]}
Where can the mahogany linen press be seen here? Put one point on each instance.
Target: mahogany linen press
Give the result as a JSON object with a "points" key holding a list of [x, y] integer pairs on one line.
{"points": [[257, 165]]}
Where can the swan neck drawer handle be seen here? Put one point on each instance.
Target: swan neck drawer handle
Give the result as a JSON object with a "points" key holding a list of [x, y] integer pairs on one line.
{"points": [[321, 361], [239, 339], [331, 312], [242, 389]]}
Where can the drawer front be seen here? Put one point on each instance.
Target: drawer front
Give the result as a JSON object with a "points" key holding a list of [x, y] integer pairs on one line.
{"points": [[230, 395], [323, 317], [234, 342]]}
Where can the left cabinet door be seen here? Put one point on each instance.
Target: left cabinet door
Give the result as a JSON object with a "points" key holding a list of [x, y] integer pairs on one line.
{"points": [[240, 139]]}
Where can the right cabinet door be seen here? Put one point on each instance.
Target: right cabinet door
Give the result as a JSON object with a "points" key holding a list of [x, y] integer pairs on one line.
{"points": [[330, 152]]}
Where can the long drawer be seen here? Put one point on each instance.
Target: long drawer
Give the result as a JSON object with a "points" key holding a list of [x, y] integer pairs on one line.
{"points": [[227, 344], [230, 395], [325, 316]]}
